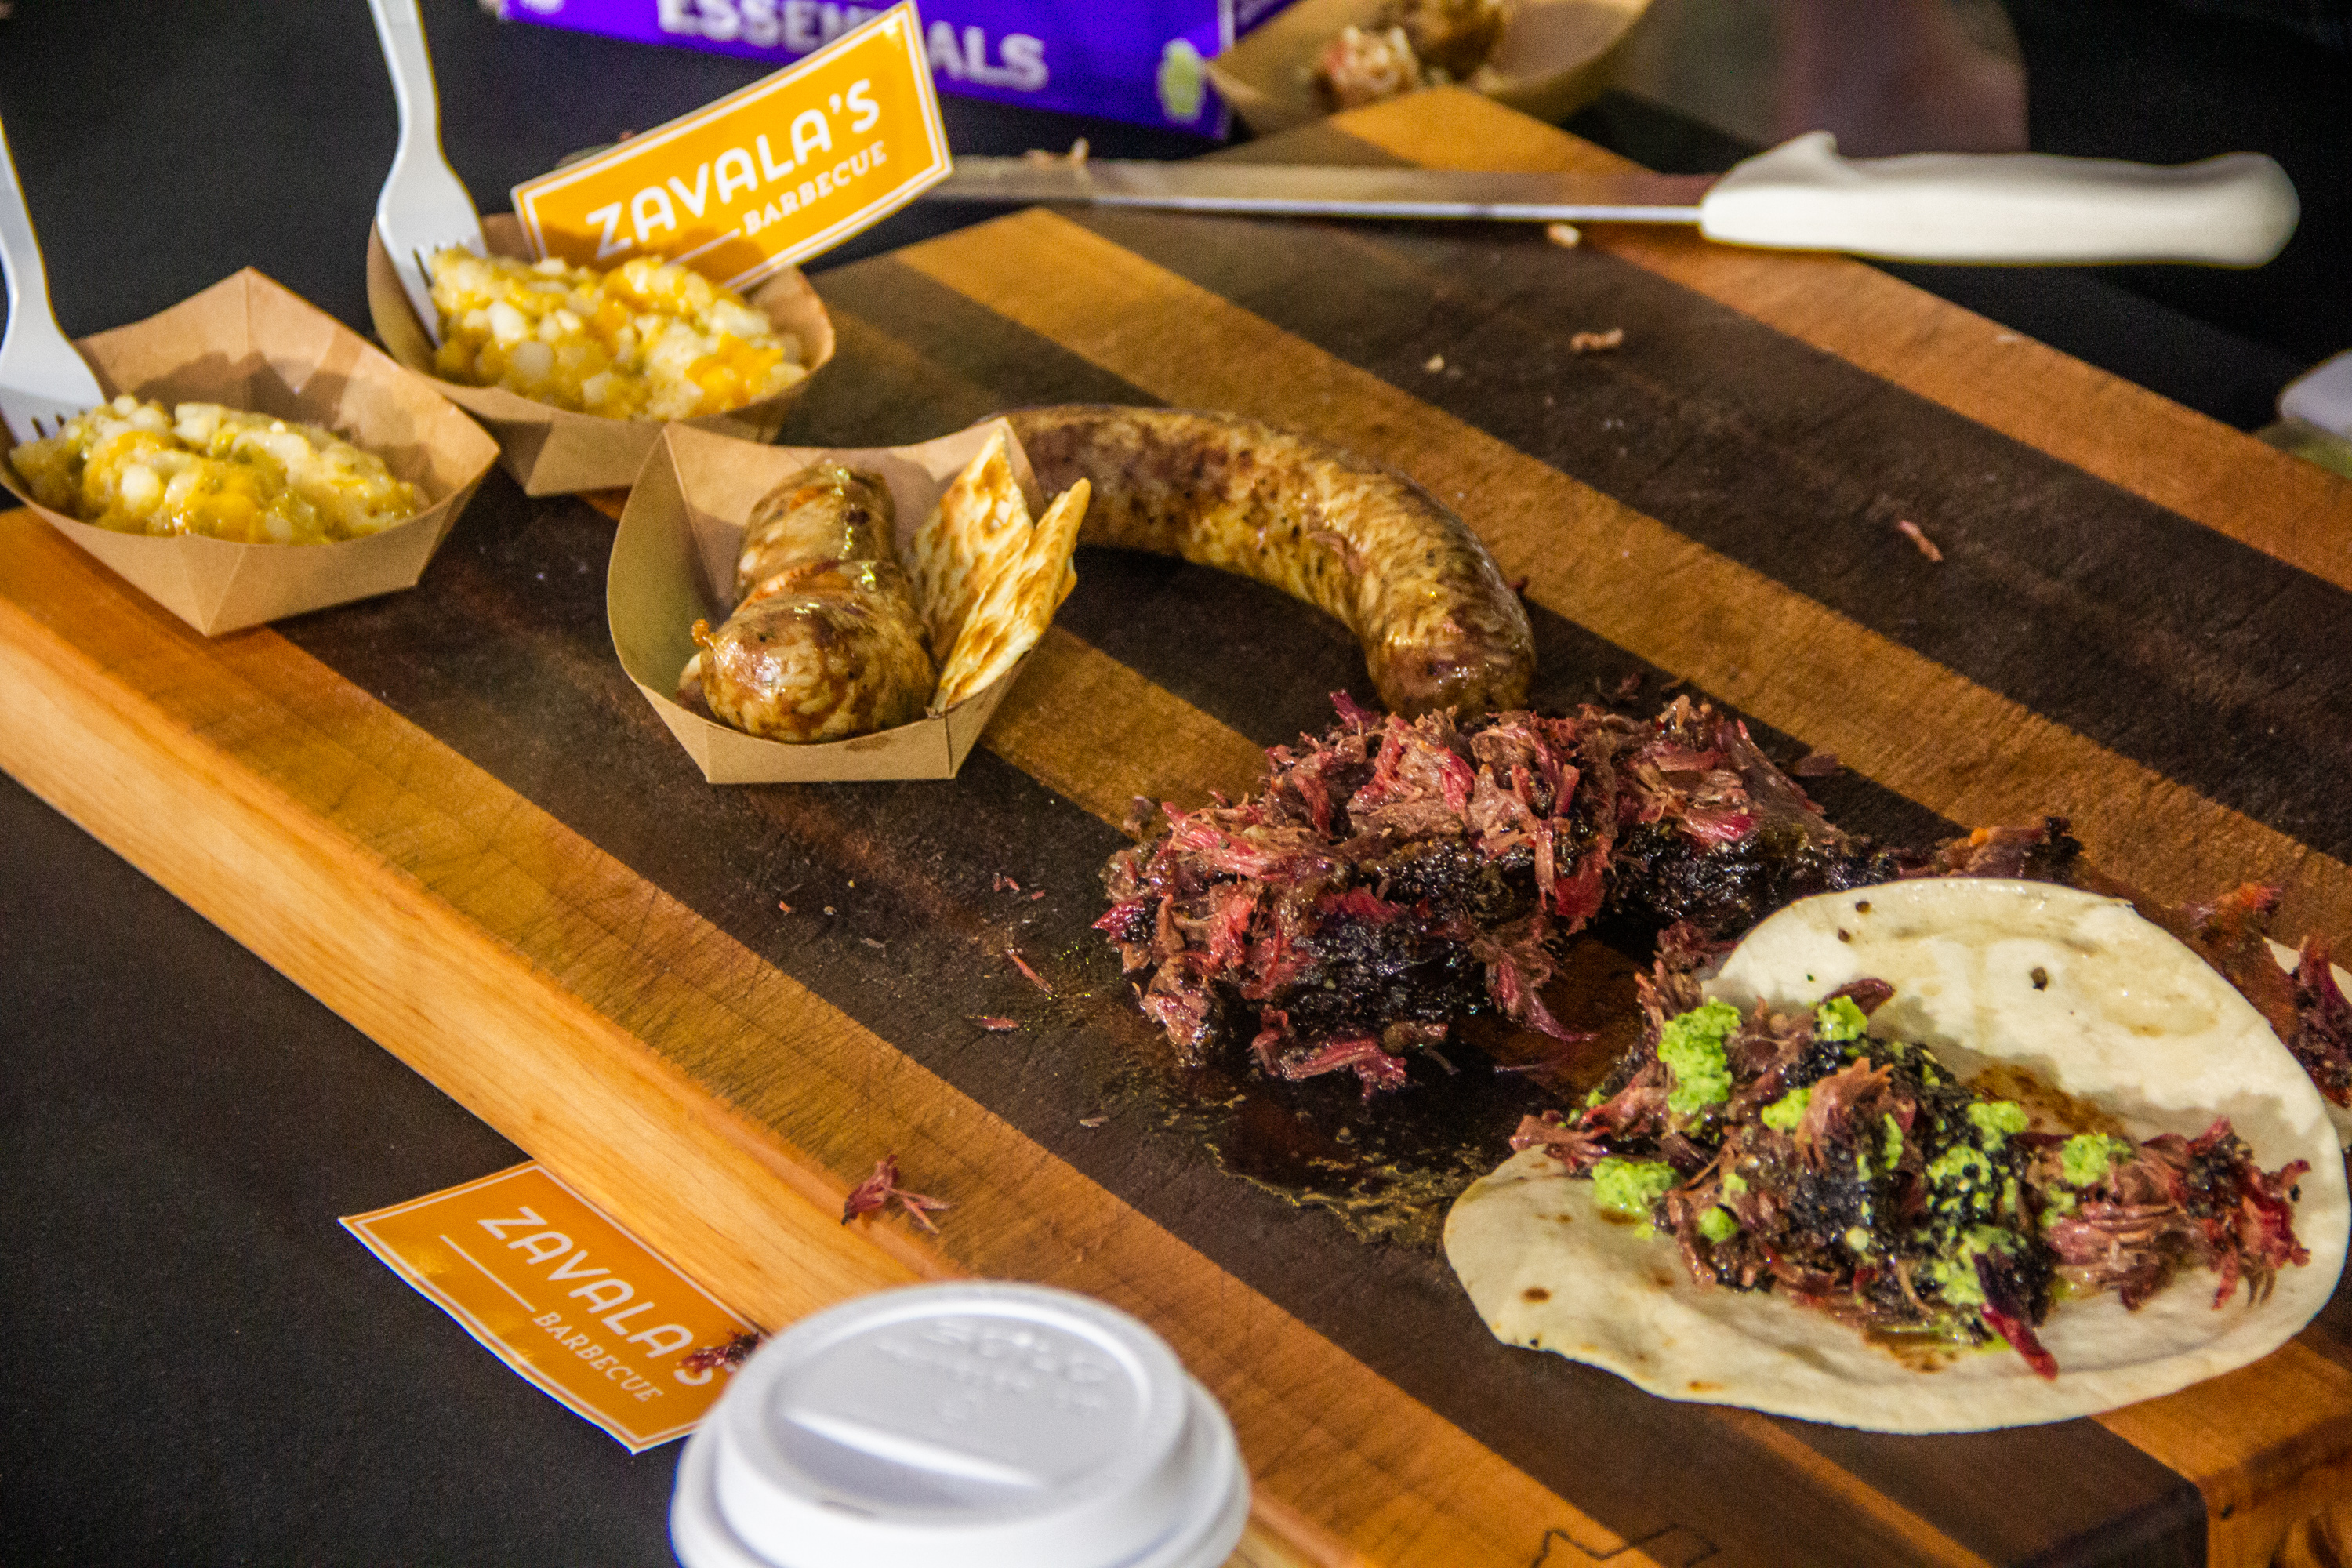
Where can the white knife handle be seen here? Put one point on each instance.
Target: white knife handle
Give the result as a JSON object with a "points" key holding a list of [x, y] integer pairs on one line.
{"points": [[2232, 211]]}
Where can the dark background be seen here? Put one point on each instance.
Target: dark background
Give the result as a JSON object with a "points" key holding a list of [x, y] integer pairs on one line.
{"points": [[206, 1368]]}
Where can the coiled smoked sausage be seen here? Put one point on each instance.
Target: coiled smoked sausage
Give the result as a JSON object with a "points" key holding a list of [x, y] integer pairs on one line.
{"points": [[1439, 627]]}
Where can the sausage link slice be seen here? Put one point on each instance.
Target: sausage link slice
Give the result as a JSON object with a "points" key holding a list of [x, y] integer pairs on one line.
{"points": [[824, 642], [1439, 627]]}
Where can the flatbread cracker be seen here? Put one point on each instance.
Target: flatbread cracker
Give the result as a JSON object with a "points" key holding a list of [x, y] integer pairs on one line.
{"points": [[1015, 608], [980, 530]]}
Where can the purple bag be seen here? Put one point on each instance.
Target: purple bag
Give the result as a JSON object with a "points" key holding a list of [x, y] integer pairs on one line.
{"points": [[1141, 61]]}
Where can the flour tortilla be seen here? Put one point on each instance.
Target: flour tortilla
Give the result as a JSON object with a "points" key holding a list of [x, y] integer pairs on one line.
{"points": [[2128, 1020]]}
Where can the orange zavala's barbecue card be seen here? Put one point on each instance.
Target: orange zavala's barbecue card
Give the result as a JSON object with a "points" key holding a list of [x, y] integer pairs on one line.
{"points": [[566, 1298], [788, 167]]}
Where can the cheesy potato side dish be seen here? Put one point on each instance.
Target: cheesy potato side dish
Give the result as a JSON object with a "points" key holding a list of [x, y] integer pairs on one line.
{"points": [[649, 339], [141, 467]]}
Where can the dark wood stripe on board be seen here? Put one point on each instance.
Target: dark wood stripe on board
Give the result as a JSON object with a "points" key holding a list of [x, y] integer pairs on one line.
{"points": [[910, 867], [908, 871], [1645, 587], [2105, 425], [1244, 654], [707, 1099], [2166, 642]]}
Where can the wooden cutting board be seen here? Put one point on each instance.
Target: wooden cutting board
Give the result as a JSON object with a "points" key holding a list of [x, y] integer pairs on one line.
{"points": [[448, 815]]}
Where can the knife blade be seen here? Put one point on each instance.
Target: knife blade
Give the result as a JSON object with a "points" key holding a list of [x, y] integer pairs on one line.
{"points": [[2237, 210], [1297, 190]]}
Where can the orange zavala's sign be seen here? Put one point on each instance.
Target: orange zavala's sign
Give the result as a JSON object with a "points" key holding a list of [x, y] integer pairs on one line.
{"points": [[563, 1296], [786, 168]]}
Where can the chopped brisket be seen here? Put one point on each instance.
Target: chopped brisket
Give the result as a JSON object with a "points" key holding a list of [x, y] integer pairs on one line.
{"points": [[1411, 873], [1394, 872], [1714, 835], [2323, 1037], [2177, 1203], [2046, 853], [881, 1188], [2304, 1004]]}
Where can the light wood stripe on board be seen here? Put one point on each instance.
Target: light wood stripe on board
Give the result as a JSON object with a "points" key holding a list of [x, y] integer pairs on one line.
{"points": [[2134, 438], [592, 1019], [1898, 718], [2289, 1421], [1099, 734]]}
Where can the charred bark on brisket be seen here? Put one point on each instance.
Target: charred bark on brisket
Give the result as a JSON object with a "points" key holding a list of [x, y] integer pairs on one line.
{"points": [[1394, 877]]}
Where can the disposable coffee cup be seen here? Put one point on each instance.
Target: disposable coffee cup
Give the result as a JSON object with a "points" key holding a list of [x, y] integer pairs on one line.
{"points": [[982, 1425]]}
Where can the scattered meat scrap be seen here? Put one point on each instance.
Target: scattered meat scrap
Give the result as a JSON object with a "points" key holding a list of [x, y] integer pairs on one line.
{"points": [[1076, 157], [1037, 895], [1927, 545], [1434, 363], [1566, 235], [783, 906], [1816, 765], [1597, 342], [1092, 1121], [878, 1190], [726, 1356], [871, 943], [1003, 884], [1022, 964], [995, 1024]]}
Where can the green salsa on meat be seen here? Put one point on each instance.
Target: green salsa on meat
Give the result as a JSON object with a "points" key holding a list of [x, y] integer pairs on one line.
{"points": [[1859, 1176]]}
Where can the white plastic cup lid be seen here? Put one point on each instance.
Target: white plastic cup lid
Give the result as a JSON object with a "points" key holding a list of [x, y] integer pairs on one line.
{"points": [[2322, 395], [987, 1426]]}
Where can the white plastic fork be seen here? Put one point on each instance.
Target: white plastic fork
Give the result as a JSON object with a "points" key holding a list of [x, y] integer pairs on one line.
{"points": [[423, 209], [44, 380]]}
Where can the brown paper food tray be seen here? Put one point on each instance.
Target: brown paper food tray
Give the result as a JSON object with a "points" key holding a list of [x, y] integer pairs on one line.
{"points": [[555, 451], [674, 561], [1554, 58], [251, 343]]}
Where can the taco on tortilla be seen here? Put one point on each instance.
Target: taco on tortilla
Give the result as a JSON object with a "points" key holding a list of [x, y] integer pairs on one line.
{"points": [[1933, 1156]]}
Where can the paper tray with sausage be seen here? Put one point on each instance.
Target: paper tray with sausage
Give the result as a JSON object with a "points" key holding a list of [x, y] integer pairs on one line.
{"points": [[863, 609]]}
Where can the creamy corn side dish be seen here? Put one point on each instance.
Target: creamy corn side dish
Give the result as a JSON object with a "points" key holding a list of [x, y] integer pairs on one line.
{"points": [[141, 467], [649, 339]]}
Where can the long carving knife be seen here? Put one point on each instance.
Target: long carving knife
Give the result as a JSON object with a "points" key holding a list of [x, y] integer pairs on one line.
{"points": [[2237, 210]]}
